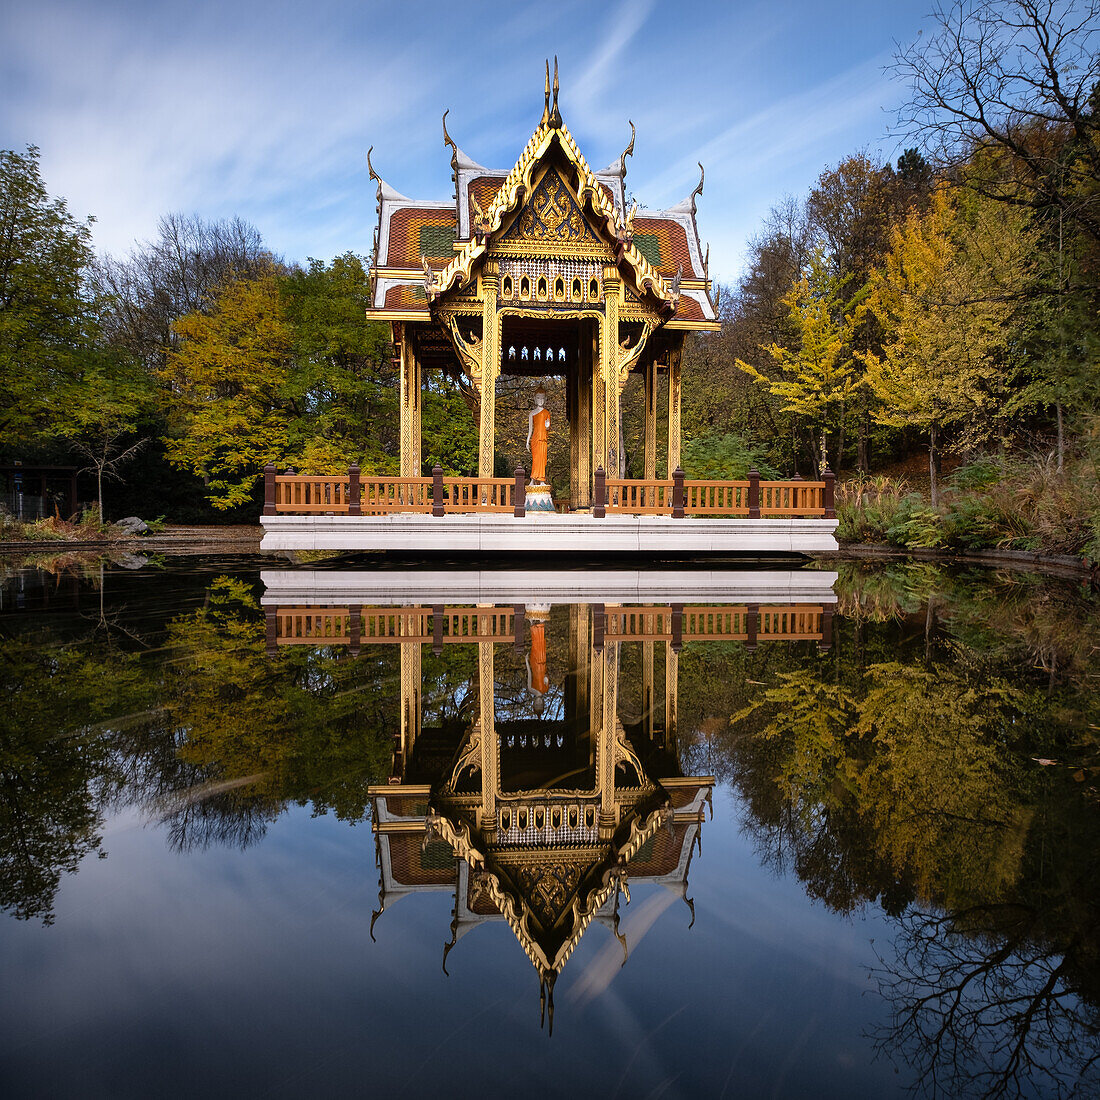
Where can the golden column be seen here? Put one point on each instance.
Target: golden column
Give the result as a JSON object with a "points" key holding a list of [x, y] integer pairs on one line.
{"points": [[490, 768], [596, 393], [651, 421], [605, 753], [609, 364], [411, 684], [672, 684], [674, 359], [490, 367], [409, 376]]}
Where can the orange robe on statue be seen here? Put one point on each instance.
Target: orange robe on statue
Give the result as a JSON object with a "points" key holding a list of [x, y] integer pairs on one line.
{"points": [[540, 681], [540, 435]]}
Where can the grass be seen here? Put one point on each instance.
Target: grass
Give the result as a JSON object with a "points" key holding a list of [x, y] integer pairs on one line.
{"points": [[88, 527], [990, 503]]}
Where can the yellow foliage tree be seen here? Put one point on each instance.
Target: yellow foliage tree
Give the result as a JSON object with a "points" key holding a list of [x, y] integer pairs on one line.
{"points": [[816, 377], [946, 300], [228, 382]]}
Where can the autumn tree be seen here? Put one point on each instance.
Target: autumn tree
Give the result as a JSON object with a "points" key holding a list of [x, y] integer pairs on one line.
{"points": [[228, 383], [947, 300], [814, 377]]}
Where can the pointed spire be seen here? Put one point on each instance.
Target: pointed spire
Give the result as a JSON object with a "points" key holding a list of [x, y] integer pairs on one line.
{"points": [[555, 114], [699, 189], [629, 150], [448, 140], [546, 107]]}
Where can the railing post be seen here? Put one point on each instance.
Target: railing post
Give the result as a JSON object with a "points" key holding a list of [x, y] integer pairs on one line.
{"points": [[826, 641], [677, 627], [754, 494], [752, 625], [599, 495], [354, 508], [269, 490], [677, 493], [519, 621], [520, 503], [599, 625], [272, 633], [830, 493], [437, 490], [437, 628], [355, 628]]}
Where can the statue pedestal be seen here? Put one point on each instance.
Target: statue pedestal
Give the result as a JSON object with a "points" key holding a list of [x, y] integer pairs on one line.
{"points": [[538, 498]]}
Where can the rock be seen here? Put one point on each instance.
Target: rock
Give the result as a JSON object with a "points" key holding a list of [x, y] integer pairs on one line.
{"points": [[129, 561], [131, 525]]}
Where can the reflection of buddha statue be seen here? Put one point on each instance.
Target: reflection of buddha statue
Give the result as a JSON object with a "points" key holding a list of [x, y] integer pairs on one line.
{"points": [[538, 680]]}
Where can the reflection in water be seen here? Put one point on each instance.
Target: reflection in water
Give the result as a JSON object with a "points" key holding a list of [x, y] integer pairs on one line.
{"points": [[930, 752], [538, 817]]}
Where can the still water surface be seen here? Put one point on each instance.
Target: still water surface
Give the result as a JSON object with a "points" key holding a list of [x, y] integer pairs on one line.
{"points": [[722, 848]]}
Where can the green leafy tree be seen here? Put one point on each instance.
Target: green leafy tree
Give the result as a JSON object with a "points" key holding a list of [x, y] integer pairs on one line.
{"points": [[44, 311]]}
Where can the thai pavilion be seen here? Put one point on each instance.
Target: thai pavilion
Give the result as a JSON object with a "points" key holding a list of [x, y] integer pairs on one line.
{"points": [[542, 270]]}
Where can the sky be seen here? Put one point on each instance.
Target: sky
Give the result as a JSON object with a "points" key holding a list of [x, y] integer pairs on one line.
{"points": [[266, 110]]}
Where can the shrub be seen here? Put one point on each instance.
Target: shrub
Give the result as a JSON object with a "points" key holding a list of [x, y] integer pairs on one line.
{"points": [[721, 456]]}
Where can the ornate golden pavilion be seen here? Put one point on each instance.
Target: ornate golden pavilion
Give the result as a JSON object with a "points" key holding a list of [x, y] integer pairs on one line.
{"points": [[542, 270], [541, 819]]}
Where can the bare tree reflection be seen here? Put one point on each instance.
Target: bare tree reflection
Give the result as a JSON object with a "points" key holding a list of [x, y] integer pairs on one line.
{"points": [[980, 1006]]}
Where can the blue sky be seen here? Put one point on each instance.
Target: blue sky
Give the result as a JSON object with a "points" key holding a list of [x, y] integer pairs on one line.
{"points": [[266, 110]]}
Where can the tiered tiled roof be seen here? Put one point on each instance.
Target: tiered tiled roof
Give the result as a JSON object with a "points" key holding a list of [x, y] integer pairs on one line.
{"points": [[665, 245]]}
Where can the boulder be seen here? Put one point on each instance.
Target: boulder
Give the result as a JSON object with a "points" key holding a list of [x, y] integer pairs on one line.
{"points": [[131, 525]]}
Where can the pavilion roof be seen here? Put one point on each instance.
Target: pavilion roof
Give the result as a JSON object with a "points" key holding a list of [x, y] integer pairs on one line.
{"points": [[426, 248]]}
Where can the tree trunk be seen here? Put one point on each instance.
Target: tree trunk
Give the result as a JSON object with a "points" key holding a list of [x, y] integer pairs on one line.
{"points": [[934, 466], [1061, 437], [861, 445], [99, 490]]}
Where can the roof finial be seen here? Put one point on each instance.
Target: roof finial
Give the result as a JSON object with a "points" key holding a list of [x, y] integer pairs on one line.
{"points": [[629, 150], [546, 94], [448, 140], [698, 190], [555, 114], [375, 176]]}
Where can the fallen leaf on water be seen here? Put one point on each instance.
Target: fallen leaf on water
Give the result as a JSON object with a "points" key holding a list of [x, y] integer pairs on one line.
{"points": [[1044, 761]]}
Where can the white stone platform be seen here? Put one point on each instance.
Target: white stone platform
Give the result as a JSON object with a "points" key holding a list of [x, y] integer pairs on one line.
{"points": [[392, 587], [580, 533]]}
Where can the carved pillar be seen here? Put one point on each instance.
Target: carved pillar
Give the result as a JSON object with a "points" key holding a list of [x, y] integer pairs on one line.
{"points": [[411, 682], [490, 367], [609, 363], [605, 755], [674, 409], [409, 384], [582, 452], [672, 684], [579, 656], [648, 702], [490, 750], [599, 405], [651, 421]]}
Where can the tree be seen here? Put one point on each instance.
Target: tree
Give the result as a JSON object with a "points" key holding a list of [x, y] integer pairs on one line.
{"points": [[44, 254], [947, 300], [342, 387], [816, 376], [1016, 77], [228, 381]]}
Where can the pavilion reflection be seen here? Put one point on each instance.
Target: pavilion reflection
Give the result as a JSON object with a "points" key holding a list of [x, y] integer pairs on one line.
{"points": [[562, 783]]}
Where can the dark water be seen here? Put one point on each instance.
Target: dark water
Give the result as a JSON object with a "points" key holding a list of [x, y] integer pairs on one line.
{"points": [[858, 835]]}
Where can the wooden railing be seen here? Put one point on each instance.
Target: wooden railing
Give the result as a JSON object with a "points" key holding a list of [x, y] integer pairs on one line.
{"points": [[379, 625], [439, 625], [709, 623], [480, 494], [677, 497], [639, 497]]}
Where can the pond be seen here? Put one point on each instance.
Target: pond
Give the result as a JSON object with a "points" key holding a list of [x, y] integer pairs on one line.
{"points": [[271, 831]]}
